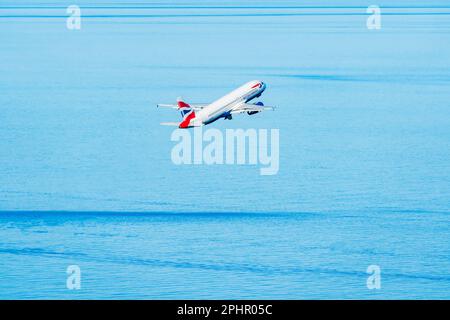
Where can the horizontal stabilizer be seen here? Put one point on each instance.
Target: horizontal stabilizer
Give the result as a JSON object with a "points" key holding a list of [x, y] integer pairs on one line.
{"points": [[195, 106], [172, 124], [163, 105]]}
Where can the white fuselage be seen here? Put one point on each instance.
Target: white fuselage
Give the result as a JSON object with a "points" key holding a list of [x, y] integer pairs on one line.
{"points": [[222, 107]]}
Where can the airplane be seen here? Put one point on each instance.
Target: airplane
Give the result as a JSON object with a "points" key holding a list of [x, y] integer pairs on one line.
{"points": [[235, 102]]}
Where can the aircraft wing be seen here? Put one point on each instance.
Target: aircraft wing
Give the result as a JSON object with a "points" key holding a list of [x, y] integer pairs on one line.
{"points": [[252, 108], [195, 106]]}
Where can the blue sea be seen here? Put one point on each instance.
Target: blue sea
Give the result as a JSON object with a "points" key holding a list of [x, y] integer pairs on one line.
{"points": [[86, 176]]}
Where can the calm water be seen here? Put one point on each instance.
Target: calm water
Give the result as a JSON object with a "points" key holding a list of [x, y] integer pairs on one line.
{"points": [[86, 176]]}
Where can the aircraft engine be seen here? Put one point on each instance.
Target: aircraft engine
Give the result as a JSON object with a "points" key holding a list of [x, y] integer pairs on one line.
{"points": [[260, 104]]}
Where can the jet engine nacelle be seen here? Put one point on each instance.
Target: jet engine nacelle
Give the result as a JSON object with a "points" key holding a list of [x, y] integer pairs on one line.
{"points": [[259, 104]]}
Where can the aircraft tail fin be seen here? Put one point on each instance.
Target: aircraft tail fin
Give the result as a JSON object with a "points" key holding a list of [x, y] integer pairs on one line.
{"points": [[187, 112]]}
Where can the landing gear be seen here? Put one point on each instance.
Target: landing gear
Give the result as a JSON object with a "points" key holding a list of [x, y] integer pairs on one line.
{"points": [[228, 117]]}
